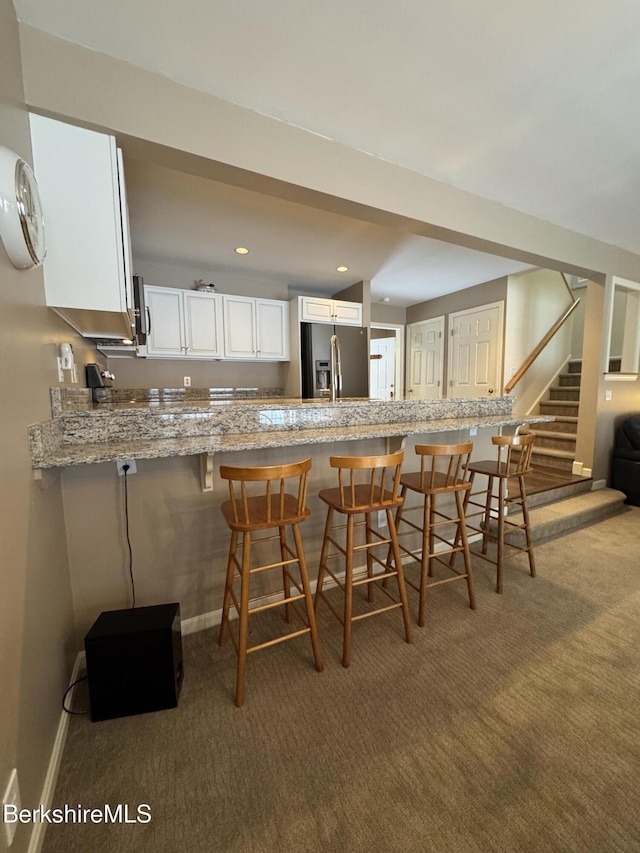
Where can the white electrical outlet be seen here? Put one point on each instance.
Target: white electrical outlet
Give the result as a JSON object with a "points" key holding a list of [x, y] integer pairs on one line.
{"points": [[11, 805], [473, 431], [130, 470], [382, 518], [607, 396], [187, 382]]}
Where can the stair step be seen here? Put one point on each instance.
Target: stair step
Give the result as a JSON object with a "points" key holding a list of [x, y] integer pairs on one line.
{"points": [[558, 493], [556, 440], [569, 379], [559, 408], [553, 519], [574, 366], [564, 392], [549, 457], [565, 424]]}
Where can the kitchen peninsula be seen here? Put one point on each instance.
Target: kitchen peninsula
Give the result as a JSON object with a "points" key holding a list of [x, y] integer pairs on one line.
{"points": [[178, 537], [136, 424]]}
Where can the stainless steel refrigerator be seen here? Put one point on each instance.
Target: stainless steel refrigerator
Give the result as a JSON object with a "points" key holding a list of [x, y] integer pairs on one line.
{"points": [[315, 348]]}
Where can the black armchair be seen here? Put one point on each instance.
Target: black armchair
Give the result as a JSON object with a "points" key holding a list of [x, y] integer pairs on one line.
{"points": [[626, 460]]}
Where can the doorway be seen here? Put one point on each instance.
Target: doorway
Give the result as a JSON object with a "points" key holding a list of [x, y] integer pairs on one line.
{"points": [[425, 361], [475, 353], [386, 362]]}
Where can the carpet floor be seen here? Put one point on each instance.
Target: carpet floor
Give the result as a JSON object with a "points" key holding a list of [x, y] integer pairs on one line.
{"points": [[515, 727]]}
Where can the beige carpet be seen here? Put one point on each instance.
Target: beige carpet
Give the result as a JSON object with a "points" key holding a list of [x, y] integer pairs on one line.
{"points": [[512, 728]]}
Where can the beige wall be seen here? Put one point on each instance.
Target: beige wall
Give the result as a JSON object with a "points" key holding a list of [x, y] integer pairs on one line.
{"points": [[472, 297], [535, 301], [388, 314], [37, 638]]}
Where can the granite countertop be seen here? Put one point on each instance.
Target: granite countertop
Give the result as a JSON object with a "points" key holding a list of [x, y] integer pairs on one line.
{"points": [[131, 427]]}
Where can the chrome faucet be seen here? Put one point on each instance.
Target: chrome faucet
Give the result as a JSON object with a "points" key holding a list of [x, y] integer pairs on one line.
{"points": [[336, 369]]}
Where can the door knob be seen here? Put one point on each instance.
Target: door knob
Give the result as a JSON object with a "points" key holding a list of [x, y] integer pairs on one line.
{"points": [[491, 390]]}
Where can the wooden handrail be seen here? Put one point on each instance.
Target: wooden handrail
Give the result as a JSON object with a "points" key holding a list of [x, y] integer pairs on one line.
{"points": [[541, 345]]}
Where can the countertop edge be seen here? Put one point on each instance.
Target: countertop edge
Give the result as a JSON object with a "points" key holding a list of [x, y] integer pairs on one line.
{"points": [[193, 446]]}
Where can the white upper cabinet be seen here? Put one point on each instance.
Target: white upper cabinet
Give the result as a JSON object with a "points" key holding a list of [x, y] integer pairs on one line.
{"points": [[184, 323], [256, 329], [191, 324], [272, 329], [316, 310], [86, 228]]}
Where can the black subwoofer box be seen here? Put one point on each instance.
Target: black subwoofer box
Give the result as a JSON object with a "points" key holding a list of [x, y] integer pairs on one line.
{"points": [[134, 661]]}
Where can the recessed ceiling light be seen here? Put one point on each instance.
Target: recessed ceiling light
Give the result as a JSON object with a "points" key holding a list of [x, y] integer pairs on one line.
{"points": [[385, 299], [342, 269], [241, 250]]}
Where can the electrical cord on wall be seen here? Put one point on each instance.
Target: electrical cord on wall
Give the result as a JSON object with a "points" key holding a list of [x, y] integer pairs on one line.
{"points": [[125, 468], [66, 693]]}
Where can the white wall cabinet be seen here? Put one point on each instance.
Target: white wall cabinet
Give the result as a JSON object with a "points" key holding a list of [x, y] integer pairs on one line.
{"points": [[184, 323], [191, 324], [87, 267], [317, 310], [255, 329]]}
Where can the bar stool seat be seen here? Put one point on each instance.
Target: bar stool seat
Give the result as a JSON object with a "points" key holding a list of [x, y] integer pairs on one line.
{"points": [[511, 467], [245, 513], [443, 471], [352, 498]]}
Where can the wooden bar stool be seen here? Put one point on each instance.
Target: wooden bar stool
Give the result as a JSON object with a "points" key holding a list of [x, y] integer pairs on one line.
{"points": [[272, 507], [510, 468], [363, 490], [443, 471]]}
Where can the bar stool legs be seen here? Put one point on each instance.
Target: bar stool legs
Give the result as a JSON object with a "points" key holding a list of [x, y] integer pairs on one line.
{"points": [[443, 472], [245, 514], [506, 469], [362, 500]]}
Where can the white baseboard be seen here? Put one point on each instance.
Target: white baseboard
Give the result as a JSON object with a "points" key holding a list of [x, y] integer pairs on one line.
{"points": [[46, 798]]}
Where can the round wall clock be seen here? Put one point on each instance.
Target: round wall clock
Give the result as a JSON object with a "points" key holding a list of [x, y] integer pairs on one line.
{"points": [[21, 217]]}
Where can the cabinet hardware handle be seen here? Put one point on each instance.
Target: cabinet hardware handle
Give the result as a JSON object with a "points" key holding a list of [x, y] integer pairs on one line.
{"points": [[148, 332]]}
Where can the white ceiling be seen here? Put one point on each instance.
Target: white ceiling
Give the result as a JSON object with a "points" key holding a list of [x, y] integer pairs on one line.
{"points": [[532, 105]]}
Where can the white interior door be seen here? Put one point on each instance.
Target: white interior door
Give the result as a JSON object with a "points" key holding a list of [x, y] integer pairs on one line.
{"points": [[425, 359], [475, 352], [382, 368]]}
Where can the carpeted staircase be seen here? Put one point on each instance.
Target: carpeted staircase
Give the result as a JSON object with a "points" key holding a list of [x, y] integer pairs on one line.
{"points": [[556, 511], [559, 501]]}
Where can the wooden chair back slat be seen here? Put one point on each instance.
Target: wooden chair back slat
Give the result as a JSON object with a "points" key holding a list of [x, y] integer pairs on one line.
{"points": [[380, 475], [270, 483], [506, 443], [454, 463]]}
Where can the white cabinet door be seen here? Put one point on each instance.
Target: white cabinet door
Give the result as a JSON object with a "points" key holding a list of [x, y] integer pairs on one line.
{"points": [[272, 329], [347, 313], [317, 310], [239, 327], [166, 337], [202, 325], [77, 173]]}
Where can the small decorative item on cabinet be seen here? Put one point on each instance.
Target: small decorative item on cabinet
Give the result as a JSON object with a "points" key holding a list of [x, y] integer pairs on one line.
{"points": [[203, 287]]}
